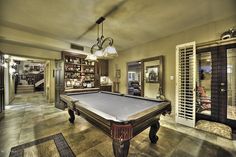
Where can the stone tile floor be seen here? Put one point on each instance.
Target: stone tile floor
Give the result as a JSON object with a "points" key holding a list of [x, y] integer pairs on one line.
{"points": [[30, 117]]}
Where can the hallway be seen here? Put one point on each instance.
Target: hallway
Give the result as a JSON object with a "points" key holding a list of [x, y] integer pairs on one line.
{"points": [[30, 117]]}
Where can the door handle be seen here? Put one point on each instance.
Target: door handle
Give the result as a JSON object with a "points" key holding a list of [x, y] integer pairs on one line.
{"points": [[222, 90]]}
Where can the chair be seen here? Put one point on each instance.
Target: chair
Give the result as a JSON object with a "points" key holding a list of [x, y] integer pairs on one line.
{"points": [[134, 88], [203, 100]]}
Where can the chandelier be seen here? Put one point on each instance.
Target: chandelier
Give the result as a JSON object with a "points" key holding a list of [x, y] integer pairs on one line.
{"points": [[104, 47]]}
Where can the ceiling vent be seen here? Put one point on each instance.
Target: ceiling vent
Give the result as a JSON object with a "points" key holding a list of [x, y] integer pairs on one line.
{"points": [[77, 47]]}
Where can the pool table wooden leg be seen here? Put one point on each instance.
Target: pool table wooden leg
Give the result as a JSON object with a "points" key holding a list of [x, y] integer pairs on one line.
{"points": [[153, 131], [121, 148], [72, 116]]}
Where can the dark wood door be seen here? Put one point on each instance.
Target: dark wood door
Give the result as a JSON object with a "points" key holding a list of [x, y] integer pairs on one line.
{"points": [[2, 102], [222, 94], [226, 75], [59, 83], [228, 85]]}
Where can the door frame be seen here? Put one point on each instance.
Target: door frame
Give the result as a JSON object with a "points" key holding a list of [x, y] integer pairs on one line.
{"points": [[219, 98], [2, 92], [127, 76]]}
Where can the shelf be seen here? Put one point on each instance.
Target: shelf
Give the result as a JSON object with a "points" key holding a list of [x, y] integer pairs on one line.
{"points": [[105, 85], [80, 64], [72, 63], [72, 71], [89, 80], [88, 72], [81, 89], [87, 65], [72, 78], [78, 69]]}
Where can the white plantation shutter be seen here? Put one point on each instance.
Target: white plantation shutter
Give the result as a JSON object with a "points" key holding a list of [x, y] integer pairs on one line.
{"points": [[185, 84]]}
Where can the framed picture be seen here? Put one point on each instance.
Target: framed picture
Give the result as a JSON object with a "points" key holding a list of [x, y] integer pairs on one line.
{"points": [[152, 74], [117, 73]]}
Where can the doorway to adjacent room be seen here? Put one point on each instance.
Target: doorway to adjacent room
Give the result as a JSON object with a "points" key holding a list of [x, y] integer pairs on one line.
{"points": [[25, 75], [134, 78]]}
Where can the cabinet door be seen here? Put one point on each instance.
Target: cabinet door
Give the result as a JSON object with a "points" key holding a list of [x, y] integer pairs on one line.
{"points": [[103, 67], [59, 83], [106, 88]]}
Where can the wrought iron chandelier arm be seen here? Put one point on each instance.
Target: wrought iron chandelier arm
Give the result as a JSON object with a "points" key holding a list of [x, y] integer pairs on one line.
{"points": [[93, 48], [109, 39]]}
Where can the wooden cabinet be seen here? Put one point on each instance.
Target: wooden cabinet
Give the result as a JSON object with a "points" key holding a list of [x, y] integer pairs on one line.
{"points": [[103, 67], [79, 73], [107, 88]]}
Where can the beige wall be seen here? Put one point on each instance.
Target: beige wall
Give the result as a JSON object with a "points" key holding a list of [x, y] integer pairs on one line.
{"points": [[166, 47], [6, 83], [9, 84], [12, 87]]}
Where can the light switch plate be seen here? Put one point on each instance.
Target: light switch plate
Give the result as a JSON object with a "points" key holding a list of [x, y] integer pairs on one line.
{"points": [[171, 77]]}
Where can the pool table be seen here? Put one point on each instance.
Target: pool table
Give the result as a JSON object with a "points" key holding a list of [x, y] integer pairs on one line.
{"points": [[120, 116]]}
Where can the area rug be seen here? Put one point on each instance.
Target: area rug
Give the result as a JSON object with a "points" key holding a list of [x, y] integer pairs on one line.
{"points": [[54, 145], [215, 128]]}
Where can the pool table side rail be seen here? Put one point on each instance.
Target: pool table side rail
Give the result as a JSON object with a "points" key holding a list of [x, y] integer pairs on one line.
{"points": [[68, 100], [79, 93], [149, 117], [143, 98], [117, 94], [133, 96], [163, 108], [93, 118]]}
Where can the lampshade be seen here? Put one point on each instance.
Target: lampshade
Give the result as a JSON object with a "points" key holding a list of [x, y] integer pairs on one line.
{"points": [[99, 53], [110, 51]]}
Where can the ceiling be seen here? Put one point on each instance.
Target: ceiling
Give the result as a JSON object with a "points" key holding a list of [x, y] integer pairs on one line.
{"points": [[128, 22]]}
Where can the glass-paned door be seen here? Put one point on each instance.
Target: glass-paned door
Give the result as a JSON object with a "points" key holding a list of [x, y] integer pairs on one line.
{"points": [[203, 77], [231, 84], [216, 82]]}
